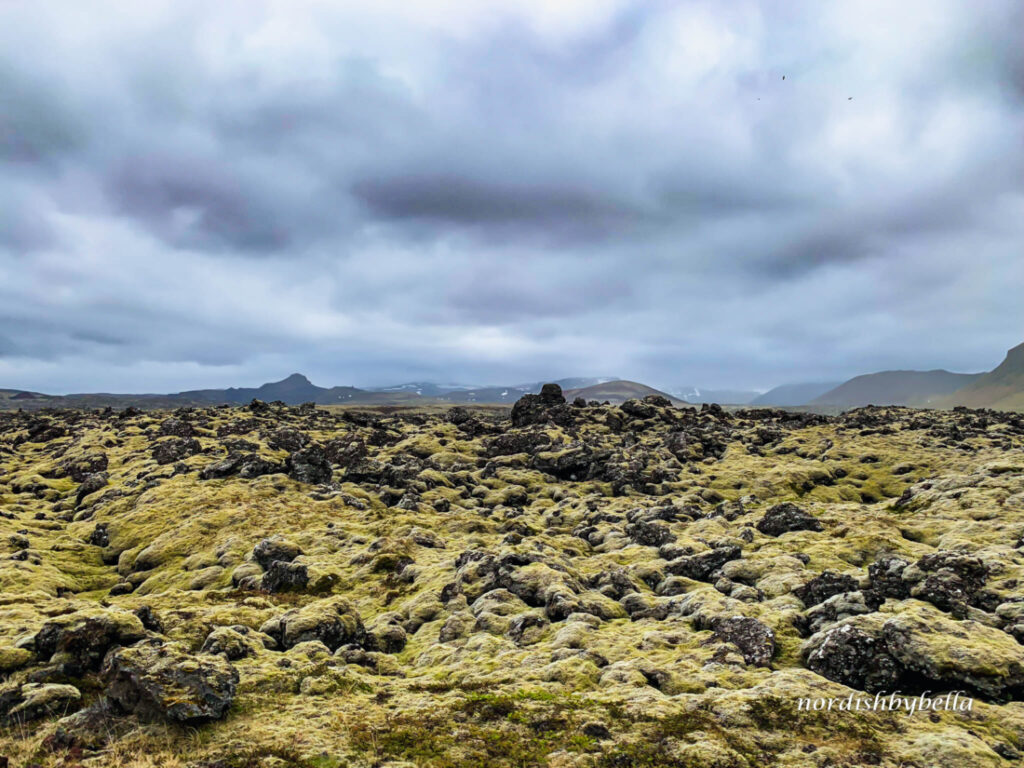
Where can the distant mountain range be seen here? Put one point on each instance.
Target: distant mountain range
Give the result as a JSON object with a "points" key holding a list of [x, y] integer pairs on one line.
{"points": [[294, 390], [920, 388], [1001, 388], [794, 394]]}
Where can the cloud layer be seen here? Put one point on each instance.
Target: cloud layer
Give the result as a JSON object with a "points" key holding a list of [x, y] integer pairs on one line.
{"points": [[739, 194]]}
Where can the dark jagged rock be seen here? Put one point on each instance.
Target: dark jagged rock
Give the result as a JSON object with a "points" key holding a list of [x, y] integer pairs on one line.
{"points": [[517, 442], [650, 533], [576, 462], [549, 405], [287, 439], [334, 622], [99, 536], [849, 655], [175, 427], [175, 449], [886, 577], [20, 703], [285, 577], [77, 643], [88, 464], [309, 465], [787, 517], [164, 682], [246, 465], [345, 452], [950, 581], [755, 640], [824, 586], [702, 567]]}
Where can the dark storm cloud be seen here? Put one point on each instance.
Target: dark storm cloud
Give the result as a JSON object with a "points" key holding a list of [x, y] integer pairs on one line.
{"points": [[482, 203], [506, 191], [196, 203]]}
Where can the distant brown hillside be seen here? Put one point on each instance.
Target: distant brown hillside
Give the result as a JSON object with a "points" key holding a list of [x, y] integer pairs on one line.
{"points": [[618, 392], [916, 388], [1002, 388]]}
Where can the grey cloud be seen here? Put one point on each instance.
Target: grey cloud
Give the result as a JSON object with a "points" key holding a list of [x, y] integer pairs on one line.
{"points": [[633, 191], [465, 201], [196, 203], [23, 228], [36, 128]]}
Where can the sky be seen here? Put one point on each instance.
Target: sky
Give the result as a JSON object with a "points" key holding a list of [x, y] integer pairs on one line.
{"points": [[740, 194]]}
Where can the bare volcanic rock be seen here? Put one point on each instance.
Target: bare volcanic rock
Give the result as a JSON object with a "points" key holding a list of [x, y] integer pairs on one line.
{"points": [[755, 640], [549, 405], [175, 449], [918, 647], [78, 642], [159, 681], [786, 517], [309, 465]]}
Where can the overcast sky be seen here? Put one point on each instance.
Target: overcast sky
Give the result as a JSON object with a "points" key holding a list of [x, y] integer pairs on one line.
{"points": [[745, 194]]}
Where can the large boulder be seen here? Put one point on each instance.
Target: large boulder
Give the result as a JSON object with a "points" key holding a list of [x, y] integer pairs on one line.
{"points": [[949, 580], [549, 405], [786, 517], [309, 465], [755, 640], [164, 682], [175, 449], [853, 653], [283, 576], [701, 567], [917, 646], [955, 654], [78, 642], [246, 465]]}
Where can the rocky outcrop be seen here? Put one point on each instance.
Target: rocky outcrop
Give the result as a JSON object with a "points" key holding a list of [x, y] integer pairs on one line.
{"points": [[159, 681], [549, 405], [309, 465], [917, 647], [785, 518], [78, 642]]}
